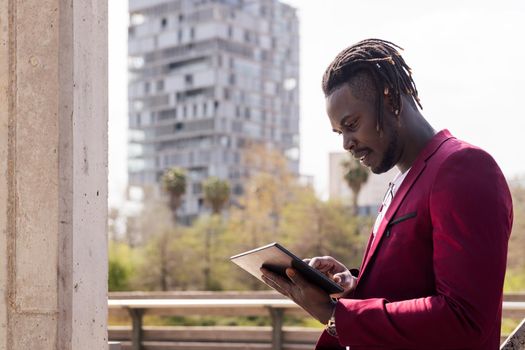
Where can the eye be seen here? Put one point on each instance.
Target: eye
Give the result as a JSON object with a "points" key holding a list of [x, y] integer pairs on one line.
{"points": [[350, 125]]}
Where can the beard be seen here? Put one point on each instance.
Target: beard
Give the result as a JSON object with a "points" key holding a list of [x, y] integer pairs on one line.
{"points": [[389, 159]]}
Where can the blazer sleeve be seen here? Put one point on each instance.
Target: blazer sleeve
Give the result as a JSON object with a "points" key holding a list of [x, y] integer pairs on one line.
{"points": [[471, 214]]}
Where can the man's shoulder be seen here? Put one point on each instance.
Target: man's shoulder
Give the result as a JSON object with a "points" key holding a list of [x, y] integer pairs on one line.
{"points": [[457, 150]]}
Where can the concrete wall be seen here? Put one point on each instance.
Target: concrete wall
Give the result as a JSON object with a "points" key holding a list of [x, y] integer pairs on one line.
{"points": [[53, 164]]}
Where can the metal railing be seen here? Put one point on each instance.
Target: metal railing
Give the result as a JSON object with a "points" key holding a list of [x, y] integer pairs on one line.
{"points": [[235, 304]]}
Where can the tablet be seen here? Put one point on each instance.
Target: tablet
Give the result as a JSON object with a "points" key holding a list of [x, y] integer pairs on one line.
{"points": [[276, 258]]}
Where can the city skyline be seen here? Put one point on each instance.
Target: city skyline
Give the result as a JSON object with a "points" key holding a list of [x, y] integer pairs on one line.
{"points": [[464, 56]]}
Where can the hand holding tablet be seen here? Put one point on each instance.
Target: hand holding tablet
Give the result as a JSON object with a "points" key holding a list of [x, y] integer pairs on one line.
{"points": [[277, 259]]}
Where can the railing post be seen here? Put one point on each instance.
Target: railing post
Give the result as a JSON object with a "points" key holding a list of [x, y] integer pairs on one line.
{"points": [[136, 330], [516, 340], [277, 328], [113, 345]]}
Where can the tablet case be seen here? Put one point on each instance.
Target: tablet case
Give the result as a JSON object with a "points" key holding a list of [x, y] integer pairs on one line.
{"points": [[276, 258]]}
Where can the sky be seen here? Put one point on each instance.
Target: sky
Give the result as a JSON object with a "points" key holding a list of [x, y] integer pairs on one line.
{"points": [[467, 61]]}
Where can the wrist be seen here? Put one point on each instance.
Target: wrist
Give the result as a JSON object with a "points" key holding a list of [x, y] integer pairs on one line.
{"points": [[330, 324]]}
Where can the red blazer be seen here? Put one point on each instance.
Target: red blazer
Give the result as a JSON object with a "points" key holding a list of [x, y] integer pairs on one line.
{"points": [[433, 276]]}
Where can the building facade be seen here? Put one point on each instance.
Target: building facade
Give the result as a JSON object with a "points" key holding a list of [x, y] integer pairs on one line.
{"points": [[207, 78]]}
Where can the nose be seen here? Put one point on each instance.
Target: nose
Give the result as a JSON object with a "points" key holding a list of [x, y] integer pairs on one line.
{"points": [[349, 142]]}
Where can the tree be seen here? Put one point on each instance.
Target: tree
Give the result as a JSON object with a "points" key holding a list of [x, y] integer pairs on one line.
{"points": [[256, 220], [174, 182], [355, 176], [121, 264], [216, 194], [209, 271], [312, 227], [515, 276], [169, 260]]}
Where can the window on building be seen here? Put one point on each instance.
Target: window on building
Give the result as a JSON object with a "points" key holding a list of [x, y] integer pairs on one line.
{"points": [[146, 87], [179, 126], [137, 19], [231, 79], [192, 33], [225, 141], [160, 85], [197, 188], [238, 190], [188, 79], [163, 23]]}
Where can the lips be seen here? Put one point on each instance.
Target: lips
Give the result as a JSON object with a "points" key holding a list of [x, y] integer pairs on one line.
{"points": [[362, 155]]}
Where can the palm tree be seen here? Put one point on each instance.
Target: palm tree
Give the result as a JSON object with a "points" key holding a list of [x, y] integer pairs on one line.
{"points": [[355, 176], [174, 182], [216, 194]]}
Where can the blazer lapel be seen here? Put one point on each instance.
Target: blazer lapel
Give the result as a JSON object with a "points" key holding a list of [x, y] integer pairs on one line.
{"points": [[414, 173]]}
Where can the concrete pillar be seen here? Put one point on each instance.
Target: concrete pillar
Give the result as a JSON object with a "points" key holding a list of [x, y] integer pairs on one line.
{"points": [[53, 174]]}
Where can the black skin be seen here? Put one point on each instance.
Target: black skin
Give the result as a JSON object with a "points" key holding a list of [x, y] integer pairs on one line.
{"points": [[398, 143]]}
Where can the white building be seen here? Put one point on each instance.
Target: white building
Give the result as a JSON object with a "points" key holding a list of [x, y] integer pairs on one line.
{"points": [[207, 77]]}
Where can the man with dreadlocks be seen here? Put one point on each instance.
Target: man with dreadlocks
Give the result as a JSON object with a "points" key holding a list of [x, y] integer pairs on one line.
{"points": [[432, 274]]}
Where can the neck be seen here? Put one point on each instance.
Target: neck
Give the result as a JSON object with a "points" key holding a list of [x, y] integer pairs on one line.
{"points": [[417, 133]]}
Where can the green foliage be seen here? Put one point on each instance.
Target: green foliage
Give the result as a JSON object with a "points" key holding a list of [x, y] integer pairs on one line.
{"points": [[355, 176], [216, 193], [514, 280], [229, 321], [515, 277], [274, 207], [508, 325], [209, 252], [168, 261], [312, 227], [120, 267], [174, 181]]}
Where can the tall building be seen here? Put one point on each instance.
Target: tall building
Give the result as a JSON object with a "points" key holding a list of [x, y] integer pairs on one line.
{"points": [[372, 192], [207, 78]]}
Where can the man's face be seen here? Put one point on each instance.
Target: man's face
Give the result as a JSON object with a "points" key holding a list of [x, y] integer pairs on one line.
{"points": [[355, 119]]}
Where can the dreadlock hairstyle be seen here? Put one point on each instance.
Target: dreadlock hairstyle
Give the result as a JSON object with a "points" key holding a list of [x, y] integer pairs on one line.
{"points": [[384, 65]]}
